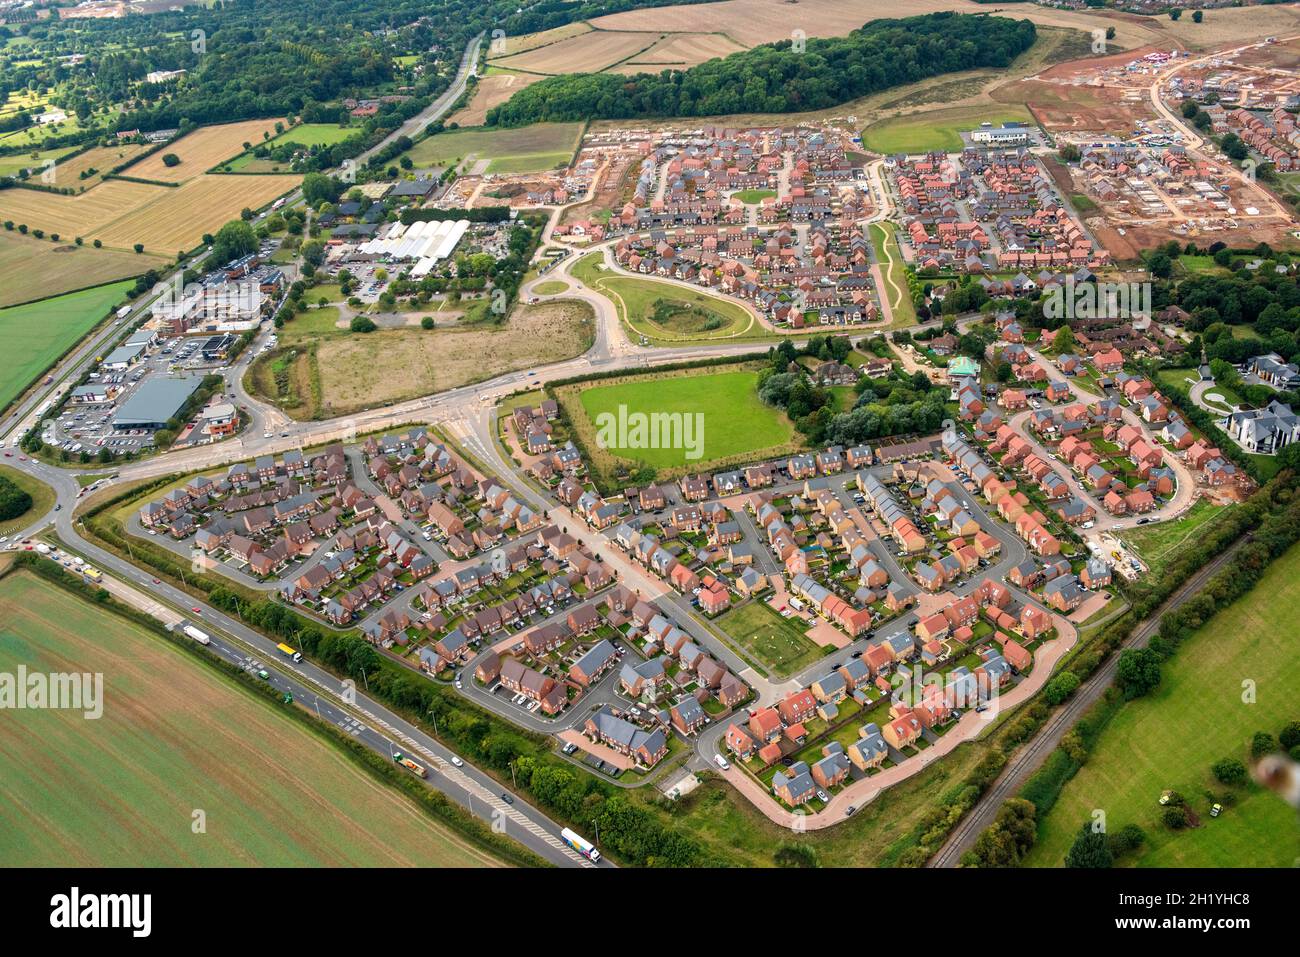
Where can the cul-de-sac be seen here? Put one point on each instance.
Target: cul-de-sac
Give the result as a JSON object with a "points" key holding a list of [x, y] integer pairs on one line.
{"points": [[620, 434]]}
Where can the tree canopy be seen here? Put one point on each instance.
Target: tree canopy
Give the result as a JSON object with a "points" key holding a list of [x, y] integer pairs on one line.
{"points": [[782, 77]]}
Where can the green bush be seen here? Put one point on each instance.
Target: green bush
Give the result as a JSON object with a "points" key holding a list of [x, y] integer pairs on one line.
{"points": [[14, 501], [1229, 771]]}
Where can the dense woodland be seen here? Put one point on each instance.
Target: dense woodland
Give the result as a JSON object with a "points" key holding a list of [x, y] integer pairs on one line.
{"points": [[247, 59], [781, 77], [896, 404]]}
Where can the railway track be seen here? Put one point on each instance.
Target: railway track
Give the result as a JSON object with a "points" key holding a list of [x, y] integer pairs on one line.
{"points": [[1032, 753]]}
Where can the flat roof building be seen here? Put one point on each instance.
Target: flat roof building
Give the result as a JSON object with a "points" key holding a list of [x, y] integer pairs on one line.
{"points": [[158, 399]]}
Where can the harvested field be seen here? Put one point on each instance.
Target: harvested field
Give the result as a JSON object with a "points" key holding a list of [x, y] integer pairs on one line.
{"points": [[78, 215], [166, 219], [752, 22], [491, 90], [680, 50], [174, 737], [589, 52], [507, 46], [34, 269], [201, 150], [101, 158], [968, 89], [180, 217]]}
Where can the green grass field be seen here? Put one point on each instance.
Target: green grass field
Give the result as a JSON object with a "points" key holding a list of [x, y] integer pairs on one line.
{"points": [[36, 334], [890, 255], [15, 163], [1199, 264], [315, 134], [752, 196], [550, 287], [778, 645], [528, 149], [1082, 204], [1194, 718], [1160, 543], [636, 298], [735, 421], [42, 499], [305, 134], [936, 129], [176, 737]]}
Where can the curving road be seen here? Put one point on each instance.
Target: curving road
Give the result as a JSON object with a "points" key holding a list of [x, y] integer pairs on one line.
{"points": [[1030, 756]]}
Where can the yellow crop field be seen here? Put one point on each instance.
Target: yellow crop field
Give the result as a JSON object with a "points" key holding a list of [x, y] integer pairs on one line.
{"points": [[180, 217], [121, 213], [79, 215], [201, 150]]}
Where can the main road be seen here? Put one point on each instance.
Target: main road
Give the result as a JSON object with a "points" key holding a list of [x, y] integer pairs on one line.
{"points": [[340, 703]]}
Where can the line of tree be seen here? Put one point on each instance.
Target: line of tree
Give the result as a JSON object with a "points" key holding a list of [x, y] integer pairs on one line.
{"points": [[1271, 517], [789, 76]]}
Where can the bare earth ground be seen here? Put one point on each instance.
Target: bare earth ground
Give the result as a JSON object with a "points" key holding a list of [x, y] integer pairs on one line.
{"points": [[491, 90], [362, 371]]}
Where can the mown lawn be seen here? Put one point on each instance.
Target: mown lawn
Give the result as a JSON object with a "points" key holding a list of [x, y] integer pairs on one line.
{"points": [[42, 499], [936, 129], [1194, 718], [695, 315], [731, 418], [1160, 543], [884, 238], [778, 645]]}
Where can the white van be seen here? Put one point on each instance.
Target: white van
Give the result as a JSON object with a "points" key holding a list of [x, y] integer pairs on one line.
{"points": [[721, 762]]}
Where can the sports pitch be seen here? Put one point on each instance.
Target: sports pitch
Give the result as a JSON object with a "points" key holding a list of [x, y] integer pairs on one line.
{"points": [[735, 421]]}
